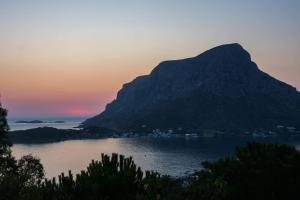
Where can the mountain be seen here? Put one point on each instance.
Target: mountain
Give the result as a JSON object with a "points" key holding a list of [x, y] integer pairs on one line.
{"points": [[220, 89]]}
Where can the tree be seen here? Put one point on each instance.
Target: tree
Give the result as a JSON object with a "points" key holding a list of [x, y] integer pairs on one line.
{"points": [[7, 162], [30, 171], [16, 176], [8, 178], [258, 171]]}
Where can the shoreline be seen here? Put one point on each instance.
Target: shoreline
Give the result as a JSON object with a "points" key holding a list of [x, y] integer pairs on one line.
{"points": [[45, 135]]}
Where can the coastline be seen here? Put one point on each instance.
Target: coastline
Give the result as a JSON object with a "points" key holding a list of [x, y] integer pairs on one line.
{"points": [[51, 135]]}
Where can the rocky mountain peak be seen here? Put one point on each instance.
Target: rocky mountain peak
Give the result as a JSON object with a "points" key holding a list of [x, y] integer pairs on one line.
{"points": [[219, 89]]}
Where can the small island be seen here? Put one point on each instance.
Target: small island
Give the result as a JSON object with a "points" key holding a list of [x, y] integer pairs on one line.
{"points": [[39, 122], [30, 122]]}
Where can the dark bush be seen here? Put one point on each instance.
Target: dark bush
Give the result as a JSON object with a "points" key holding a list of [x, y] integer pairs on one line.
{"points": [[258, 171]]}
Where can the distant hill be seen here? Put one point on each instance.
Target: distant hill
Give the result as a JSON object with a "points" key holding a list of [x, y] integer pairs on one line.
{"points": [[30, 122], [50, 134], [220, 89]]}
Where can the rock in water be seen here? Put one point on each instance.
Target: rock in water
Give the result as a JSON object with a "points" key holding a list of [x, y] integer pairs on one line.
{"points": [[220, 89]]}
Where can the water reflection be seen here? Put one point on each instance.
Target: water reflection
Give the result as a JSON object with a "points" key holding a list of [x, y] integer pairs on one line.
{"points": [[173, 156]]}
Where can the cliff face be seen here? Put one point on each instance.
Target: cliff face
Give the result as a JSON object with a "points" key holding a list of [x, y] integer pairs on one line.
{"points": [[220, 89]]}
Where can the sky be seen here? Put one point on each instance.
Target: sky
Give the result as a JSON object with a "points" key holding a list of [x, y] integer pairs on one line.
{"points": [[70, 57]]}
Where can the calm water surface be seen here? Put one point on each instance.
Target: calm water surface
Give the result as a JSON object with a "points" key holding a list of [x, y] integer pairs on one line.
{"points": [[69, 123], [172, 156]]}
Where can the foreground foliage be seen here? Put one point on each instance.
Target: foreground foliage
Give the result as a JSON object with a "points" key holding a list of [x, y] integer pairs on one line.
{"points": [[16, 176], [257, 171], [114, 177]]}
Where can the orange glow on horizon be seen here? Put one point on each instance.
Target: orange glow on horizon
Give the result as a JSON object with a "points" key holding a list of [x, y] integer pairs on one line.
{"points": [[78, 111]]}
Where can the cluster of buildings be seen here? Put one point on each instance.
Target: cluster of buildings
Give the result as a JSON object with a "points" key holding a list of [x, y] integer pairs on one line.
{"points": [[179, 132]]}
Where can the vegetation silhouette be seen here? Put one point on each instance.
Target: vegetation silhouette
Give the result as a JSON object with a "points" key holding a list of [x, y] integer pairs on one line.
{"points": [[257, 171], [17, 177]]}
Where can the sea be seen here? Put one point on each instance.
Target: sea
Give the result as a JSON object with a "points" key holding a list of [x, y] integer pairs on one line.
{"points": [[177, 157], [68, 123]]}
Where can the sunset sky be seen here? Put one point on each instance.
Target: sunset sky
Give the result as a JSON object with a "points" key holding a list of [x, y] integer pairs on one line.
{"points": [[69, 58]]}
